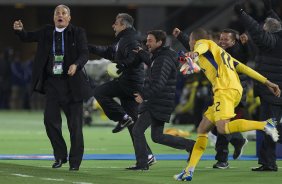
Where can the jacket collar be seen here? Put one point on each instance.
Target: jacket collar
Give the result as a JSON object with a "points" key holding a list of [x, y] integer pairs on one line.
{"points": [[127, 31], [158, 51]]}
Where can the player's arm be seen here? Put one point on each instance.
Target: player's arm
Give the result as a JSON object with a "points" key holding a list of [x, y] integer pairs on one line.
{"points": [[261, 38], [241, 68]]}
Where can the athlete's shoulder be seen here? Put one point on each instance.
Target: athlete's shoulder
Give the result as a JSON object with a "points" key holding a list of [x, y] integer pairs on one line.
{"points": [[203, 41]]}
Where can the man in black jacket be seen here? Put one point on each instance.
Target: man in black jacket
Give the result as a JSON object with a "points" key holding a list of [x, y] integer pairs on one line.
{"points": [[268, 62], [157, 98], [62, 52], [130, 80], [230, 44]]}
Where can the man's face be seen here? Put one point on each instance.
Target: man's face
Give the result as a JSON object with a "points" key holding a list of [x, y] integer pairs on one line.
{"points": [[226, 41], [192, 42], [152, 43], [61, 17], [118, 26]]}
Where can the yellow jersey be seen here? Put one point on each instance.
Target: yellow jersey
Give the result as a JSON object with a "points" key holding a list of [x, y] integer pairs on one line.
{"points": [[220, 68]]}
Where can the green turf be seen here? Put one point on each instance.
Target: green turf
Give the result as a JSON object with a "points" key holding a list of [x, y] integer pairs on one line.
{"points": [[24, 133]]}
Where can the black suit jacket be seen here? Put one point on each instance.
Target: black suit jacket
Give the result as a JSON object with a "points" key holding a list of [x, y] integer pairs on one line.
{"points": [[121, 52], [76, 52], [268, 62], [160, 84]]}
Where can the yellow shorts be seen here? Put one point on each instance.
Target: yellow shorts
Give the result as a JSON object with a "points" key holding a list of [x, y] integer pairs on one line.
{"points": [[224, 103]]}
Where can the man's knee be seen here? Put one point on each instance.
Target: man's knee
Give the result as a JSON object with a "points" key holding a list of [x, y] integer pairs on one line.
{"points": [[136, 132], [156, 138], [220, 126]]}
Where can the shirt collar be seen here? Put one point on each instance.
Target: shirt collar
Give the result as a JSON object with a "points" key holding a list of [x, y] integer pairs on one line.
{"points": [[60, 29]]}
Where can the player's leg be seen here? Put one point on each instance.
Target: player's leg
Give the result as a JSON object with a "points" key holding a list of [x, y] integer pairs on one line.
{"points": [[198, 150], [226, 101]]}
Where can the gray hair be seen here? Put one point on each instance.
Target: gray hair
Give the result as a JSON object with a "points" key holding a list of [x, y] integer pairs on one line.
{"points": [[126, 19], [272, 25], [63, 6]]}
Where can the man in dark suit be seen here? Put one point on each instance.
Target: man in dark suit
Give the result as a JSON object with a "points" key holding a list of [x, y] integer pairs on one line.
{"points": [[130, 80], [268, 39], [57, 72], [157, 99]]}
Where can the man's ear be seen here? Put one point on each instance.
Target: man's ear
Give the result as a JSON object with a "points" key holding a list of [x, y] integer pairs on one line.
{"points": [[160, 43]]}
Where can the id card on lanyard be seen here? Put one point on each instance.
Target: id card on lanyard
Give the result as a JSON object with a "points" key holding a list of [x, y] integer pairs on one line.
{"points": [[58, 60]]}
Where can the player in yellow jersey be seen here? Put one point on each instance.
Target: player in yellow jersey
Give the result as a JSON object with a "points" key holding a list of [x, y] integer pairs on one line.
{"points": [[221, 70]]}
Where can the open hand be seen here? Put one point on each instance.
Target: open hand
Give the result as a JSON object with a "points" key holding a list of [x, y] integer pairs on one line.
{"points": [[274, 88], [72, 69]]}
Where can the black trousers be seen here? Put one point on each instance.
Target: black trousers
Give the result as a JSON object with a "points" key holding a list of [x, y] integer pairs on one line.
{"points": [[223, 140], [267, 148], [157, 127], [222, 143], [105, 95], [58, 97]]}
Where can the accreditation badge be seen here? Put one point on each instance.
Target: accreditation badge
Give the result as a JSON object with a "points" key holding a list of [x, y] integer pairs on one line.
{"points": [[58, 64]]}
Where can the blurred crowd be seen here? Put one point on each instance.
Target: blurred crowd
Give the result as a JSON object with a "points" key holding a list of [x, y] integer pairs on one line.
{"points": [[15, 79]]}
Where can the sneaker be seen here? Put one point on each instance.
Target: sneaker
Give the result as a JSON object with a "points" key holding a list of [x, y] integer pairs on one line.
{"points": [[270, 129], [238, 149], [187, 176], [151, 160], [179, 176], [183, 176], [221, 165], [122, 124]]}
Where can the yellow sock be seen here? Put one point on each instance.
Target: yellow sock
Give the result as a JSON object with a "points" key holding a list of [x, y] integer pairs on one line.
{"points": [[198, 150], [242, 125]]}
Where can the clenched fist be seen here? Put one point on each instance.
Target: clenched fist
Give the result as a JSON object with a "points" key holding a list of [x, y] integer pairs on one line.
{"points": [[18, 25], [176, 32]]}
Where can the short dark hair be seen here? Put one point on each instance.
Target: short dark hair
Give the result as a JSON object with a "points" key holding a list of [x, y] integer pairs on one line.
{"points": [[126, 19], [199, 34], [234, 33], [160, 35]]}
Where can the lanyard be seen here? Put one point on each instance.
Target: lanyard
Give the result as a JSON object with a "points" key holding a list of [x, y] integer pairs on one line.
{"points": [[63, 43]]}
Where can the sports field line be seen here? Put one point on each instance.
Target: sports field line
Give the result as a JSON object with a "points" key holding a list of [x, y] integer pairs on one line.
{"points": [[46, 179], [113, 157]]}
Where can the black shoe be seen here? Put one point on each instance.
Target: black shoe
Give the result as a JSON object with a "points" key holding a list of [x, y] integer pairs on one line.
{"points": [[59, 163], [73, 168], [265, 168], [122, 124], [138, 168], [238, 149], [221, 165]]}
